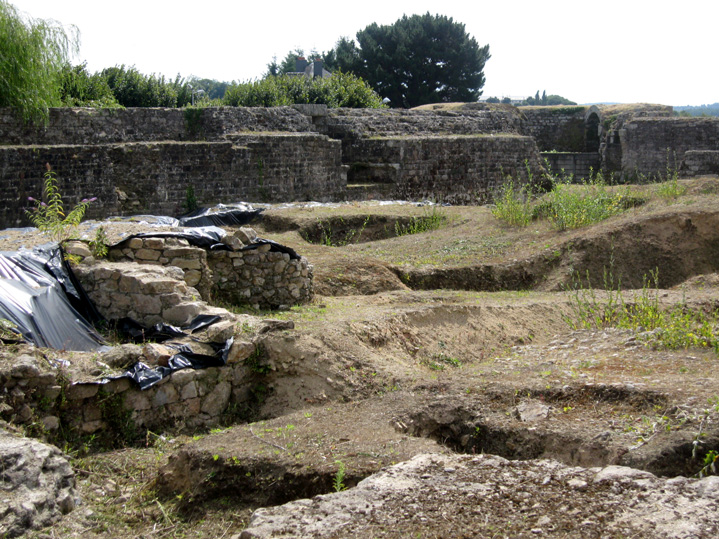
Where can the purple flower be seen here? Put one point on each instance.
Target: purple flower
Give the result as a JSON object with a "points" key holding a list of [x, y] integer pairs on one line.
{"points": [[88, 200], [30, 198]]}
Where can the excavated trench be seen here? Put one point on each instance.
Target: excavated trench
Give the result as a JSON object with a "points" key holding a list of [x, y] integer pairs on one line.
{"points": [[487, 430], [342, 230]]}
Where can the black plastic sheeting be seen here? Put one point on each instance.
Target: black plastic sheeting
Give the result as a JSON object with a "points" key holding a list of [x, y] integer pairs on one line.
{"points": [[40, 295], [210, 237], [219, 216], [138, 333], [237, 214], [146, 376]]}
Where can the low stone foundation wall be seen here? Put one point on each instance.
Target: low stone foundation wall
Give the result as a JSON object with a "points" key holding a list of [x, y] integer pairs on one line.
{"points": [[700, 162], [148, 294], [186, 399], [260, 276]]}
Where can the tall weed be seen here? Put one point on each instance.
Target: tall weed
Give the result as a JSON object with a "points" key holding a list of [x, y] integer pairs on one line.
{"points": [[513, 204]]}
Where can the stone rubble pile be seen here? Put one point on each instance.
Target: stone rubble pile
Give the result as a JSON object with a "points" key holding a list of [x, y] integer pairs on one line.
{"points": [[38, 485]]}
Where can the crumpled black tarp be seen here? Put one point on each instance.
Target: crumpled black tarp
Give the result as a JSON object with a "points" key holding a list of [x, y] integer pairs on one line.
{"points": [[146, 376], [138, 333], [210, 237], [221, 215], [41, 296]]}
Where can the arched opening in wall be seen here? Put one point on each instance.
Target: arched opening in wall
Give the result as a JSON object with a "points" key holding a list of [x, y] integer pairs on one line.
{"points": [[591, 136]]}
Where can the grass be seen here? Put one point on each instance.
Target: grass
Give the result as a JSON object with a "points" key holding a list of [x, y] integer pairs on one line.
{"points": [[431, 220], [673, 328], [566, 206]]}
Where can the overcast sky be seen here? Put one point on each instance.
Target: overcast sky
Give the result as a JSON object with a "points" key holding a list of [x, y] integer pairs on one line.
{"points": [[610, 51]]}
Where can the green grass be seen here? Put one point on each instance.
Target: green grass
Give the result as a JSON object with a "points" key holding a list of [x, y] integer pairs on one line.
{"points": [[673, 328], [566, 206], [431, 220]]}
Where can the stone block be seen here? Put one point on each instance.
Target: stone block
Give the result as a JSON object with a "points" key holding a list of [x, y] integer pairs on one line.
{"points": [[80, 391], [182, 314], [188, 391], [137, 400], [217, 400], [154, 244], [147, 254], [167, 394], [193, 277], [145, 304]]}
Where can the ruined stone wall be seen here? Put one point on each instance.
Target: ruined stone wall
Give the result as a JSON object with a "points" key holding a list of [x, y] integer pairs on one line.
{"points": [[700, 162], [103, 126], [260, 277], [349, 125], [453, 169], [561, 128], [148, 294], [649, 145], [152, 178], [187, 399], [570, 164]]}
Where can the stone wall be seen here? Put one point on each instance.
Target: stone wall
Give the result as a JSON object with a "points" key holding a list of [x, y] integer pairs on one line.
{"points": [[700, 162], [650, 145], [186, 399], [105, 126], [576, 165], [152, 178], [563, 128], [351, 124], [148, 294], [453, 169], [260, 276]]}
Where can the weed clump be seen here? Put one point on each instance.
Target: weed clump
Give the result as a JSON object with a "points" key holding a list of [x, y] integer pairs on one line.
{"points": [[566, 205], [678, 327], [431, 220]]}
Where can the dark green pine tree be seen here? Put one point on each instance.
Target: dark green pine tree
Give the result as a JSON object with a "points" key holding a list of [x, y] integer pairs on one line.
{"points": [[422, 59]]}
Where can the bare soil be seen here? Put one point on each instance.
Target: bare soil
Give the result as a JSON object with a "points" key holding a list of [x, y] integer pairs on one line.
{"points": [[450, 341]]}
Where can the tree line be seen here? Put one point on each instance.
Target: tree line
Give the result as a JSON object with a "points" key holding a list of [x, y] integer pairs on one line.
{"points": [[417, 60], [544, 100]]}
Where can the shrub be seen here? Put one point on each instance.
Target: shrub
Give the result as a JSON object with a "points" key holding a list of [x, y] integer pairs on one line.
{"points": [[339, 90], [80, 89]]}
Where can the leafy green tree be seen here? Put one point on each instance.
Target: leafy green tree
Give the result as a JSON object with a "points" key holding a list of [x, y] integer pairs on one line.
{"points": [[133, 89], [344, 57], [32, 55], [422, 59], [80, 89], [493, 100]]}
